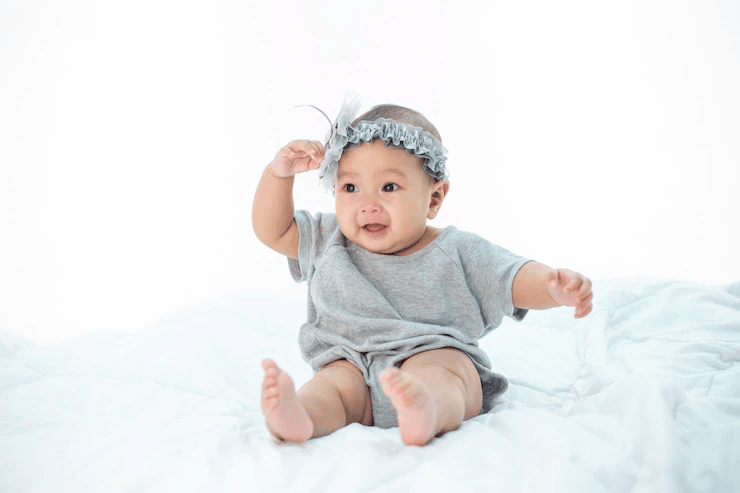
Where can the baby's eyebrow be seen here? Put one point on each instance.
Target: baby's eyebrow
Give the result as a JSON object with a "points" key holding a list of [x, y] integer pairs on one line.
{"points": [[346, 173], [351, 174], [393, 172]]}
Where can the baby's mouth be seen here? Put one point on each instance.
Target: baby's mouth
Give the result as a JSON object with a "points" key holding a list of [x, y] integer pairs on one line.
{"points": [[374, 228]]}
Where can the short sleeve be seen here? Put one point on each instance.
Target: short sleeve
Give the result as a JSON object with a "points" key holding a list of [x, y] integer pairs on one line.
{"points": [[315, 233], [490, 271]]}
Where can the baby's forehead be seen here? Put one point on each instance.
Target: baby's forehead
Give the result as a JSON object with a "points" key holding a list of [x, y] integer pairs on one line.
{"points": [[349, 172]]}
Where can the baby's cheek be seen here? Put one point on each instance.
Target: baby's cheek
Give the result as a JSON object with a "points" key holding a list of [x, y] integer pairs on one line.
{"points": [[345, 219], [344, 212]]}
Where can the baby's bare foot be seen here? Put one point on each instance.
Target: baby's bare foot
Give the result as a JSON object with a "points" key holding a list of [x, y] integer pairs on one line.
{"points": [[417, 414], [284, 414]]}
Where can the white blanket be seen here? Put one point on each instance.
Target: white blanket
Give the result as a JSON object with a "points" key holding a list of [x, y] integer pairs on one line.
{"points": [[642, 395]]}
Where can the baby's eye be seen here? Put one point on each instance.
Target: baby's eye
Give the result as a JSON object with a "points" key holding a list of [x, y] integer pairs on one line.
{"points": [[390, 187], [349, 188]]}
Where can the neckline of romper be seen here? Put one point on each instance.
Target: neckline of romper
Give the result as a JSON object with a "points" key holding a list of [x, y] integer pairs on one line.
{"points": [[380, 257]]}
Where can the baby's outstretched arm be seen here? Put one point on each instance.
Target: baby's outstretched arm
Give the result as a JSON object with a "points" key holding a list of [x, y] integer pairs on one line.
{"points": [[537, 286], [272, 211]]}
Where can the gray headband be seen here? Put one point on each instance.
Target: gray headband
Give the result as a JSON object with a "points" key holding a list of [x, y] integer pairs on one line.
{"points": [[345, 137]]}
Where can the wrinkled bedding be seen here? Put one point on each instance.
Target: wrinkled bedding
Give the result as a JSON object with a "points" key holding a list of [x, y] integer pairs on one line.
{"points": [[642, 395]]}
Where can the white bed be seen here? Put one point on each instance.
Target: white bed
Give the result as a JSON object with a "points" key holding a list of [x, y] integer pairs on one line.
{"points": [[642, 395]]}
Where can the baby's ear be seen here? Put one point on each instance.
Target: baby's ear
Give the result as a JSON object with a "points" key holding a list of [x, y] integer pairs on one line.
{"points": [[440, 189]]}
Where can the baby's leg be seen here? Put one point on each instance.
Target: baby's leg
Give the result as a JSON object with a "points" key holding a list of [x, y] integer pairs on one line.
{"points": [[433, 393], [335, 397]]}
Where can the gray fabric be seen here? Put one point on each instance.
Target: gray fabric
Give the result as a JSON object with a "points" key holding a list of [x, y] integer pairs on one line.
{"points": [[378, 310]]}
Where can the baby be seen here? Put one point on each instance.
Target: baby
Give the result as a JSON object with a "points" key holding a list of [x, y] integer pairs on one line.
{"points": [[395, 306]]}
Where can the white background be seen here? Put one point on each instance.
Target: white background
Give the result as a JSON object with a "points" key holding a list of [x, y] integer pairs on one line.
{"points": [[599, 136]]}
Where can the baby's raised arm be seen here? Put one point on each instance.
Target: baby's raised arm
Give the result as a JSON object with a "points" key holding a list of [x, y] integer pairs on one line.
{"points": [[272, 210]]}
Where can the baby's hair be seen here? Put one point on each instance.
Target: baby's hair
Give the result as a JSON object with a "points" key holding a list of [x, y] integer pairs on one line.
{"points": [[400, 115]]}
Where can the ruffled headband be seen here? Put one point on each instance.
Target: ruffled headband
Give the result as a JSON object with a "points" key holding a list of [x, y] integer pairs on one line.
{"points": [[345, 137]]}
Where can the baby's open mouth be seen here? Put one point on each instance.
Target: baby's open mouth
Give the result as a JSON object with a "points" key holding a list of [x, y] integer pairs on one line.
{"points": [[374, 227]]}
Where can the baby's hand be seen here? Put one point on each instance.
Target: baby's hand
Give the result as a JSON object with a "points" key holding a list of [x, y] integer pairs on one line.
{"points": [[297, 157], [570, 288]]}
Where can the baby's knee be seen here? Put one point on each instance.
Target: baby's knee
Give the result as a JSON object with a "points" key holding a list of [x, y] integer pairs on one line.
{"points": [[351, 388], [456, 368]]}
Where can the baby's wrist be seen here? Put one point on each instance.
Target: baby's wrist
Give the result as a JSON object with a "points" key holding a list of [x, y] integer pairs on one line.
{"points": [[271, 169]]}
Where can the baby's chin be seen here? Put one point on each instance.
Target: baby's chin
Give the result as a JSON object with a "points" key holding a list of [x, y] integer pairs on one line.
{"points": [[395, 249], [377, 247], [382, 241]]}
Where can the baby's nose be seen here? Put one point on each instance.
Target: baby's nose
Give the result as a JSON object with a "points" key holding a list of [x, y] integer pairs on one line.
{"points": [[370, 204]]}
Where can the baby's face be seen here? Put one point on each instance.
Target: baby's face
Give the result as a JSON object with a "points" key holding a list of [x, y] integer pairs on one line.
{"points": [[383, 198]]}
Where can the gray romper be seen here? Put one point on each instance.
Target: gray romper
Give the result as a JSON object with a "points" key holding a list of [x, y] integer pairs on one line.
{"points": [[377, 310]]}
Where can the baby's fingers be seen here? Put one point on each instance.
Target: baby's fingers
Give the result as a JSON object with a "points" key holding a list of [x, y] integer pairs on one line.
{"points": [[574, 284], [565, 280], [585, 288], [297, 157], [309, 156], [584, 306], [306, 148]]}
